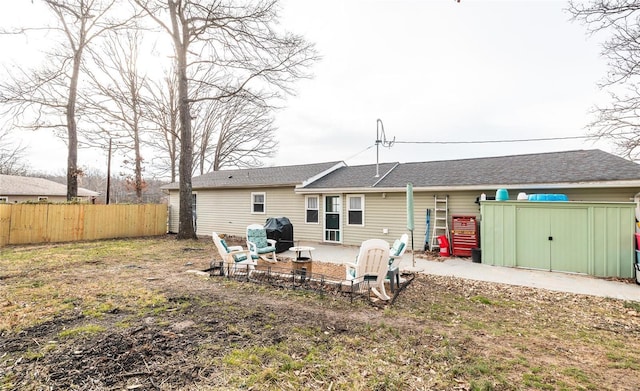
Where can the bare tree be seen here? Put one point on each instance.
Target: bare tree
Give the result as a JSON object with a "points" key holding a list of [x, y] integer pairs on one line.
{"points": [[237, 132], [206, 121], [11, 156], [162, 110], [47, 97], [116, 106], [226, 47], [620, 21]]}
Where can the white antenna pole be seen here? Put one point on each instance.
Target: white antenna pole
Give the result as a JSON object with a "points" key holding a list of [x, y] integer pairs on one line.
{"points": [[383, 141]]}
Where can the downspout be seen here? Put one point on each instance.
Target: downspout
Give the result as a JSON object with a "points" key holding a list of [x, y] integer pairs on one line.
{"points": [[636, 199]]}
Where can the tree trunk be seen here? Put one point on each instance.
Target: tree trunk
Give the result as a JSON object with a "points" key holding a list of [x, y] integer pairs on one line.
{"points": [[135, 98], [139, 182], [181, 41], [72, 129]]}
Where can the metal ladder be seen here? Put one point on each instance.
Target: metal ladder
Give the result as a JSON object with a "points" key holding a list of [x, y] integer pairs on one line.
{"points": [[440, 220]]}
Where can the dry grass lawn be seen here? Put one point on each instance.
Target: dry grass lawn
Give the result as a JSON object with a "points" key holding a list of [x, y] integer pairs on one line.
{"points": [[129, 314]]}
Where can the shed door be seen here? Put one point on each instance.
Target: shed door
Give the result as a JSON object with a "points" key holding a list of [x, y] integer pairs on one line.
{"points": [[533, 249], [552, 239], [569, 247]]}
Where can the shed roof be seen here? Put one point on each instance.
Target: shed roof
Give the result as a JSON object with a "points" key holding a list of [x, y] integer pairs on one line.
{"points": [[260, 177], [13, 185], [581, 166]]}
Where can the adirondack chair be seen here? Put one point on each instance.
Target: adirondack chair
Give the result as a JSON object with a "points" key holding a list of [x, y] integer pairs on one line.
{"points": [[371, 265], [234, 257], [259, 245]]}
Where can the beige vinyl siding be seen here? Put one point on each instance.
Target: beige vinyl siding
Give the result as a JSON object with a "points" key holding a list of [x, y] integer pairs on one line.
{"points": [[228, 211], [224, 211], [231, 211], [312, 232], [390, 212], [174, 211], [379, 213], [204, 206]]}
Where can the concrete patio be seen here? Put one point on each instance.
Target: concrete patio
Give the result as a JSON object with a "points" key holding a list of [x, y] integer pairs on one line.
{"points": [[465, 268]]}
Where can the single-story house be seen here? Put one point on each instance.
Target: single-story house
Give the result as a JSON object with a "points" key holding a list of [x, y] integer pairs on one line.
{"points": [[335, 203], [228, 201], [17, 189]]}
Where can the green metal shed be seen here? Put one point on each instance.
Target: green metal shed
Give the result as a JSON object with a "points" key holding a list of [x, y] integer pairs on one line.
{"points": [[580, 237]]}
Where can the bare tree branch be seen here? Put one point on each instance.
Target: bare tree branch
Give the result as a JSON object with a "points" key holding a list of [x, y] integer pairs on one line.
{"points": [[47, 97], [116, 106], [11, 156], [224, 49], [618, 20], [162, 104], [235, 133]]}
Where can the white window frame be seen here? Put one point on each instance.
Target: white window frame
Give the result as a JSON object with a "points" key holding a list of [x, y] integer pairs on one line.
{"points": [[306, 208], [361, 210], [4, 200], [264, 202]]}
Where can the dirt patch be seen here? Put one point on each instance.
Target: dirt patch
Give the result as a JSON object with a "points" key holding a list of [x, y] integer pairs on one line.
{"points": [[132, 315]]}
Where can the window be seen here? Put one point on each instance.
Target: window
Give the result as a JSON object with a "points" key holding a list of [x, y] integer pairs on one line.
{"points": [[258, 203], [43, 199], [355, 210], [4, 200], [312, 210]]}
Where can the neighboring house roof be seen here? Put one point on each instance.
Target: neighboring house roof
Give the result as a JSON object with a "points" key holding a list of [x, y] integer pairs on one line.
{"points": [[554, 169], [261, 177], [12, 185]]}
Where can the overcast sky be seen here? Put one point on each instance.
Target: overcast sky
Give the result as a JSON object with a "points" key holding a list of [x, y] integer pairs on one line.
{"points": [[431, 71]]}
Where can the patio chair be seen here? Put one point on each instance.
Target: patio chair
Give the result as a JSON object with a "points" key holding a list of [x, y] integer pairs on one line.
{"points": [[371, 265], [395, 256], [234, 257], [259, 245]]}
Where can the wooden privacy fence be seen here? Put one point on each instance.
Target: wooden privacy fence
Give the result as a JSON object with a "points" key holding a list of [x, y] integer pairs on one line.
{"points": [[50, 223]]}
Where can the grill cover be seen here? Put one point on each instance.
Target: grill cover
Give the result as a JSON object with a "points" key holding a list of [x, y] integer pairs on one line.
{"points": [[280, 229]]}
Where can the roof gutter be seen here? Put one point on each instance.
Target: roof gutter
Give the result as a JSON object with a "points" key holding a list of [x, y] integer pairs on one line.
{"points": [[232, 187], [540, 186]]}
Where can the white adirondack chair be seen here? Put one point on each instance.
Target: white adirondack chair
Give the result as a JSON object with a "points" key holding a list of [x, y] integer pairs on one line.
{"points": [[371, 265]]}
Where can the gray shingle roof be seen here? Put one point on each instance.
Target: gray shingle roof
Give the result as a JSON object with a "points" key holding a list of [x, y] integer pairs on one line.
{"points": [[258, 177], [353, 177], [12, 185], [542, 168], [555, 167], [571, 167]]}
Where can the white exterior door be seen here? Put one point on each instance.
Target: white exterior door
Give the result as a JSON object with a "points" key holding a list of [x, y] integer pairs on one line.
{"points": [[332, 218]]}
